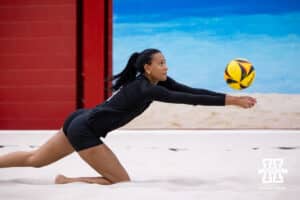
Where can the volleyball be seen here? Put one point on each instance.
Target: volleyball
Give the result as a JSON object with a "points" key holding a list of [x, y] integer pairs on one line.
{"points": [[239, 73]]}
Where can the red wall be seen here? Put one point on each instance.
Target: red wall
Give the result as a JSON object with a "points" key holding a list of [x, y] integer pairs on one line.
{"points": [[43, 74], [97, 50]]}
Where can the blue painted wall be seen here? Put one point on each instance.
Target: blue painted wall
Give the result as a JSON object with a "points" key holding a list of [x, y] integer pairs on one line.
{"points": [[198, 39]]}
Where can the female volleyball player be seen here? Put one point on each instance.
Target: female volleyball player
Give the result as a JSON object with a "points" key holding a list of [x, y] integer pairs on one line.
{"points": [[143, 81]]}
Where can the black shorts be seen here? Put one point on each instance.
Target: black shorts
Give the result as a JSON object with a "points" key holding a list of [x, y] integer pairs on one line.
{"points": [[79, 132]]}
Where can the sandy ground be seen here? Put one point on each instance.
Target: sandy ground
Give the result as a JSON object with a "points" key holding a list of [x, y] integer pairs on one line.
{"points": [[164, 165], [273, 111]]}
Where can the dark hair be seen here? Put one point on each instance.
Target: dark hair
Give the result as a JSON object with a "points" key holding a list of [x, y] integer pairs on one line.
{"points": [[134, 66]]}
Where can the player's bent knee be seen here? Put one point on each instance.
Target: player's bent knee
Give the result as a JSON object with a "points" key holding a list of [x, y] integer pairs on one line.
{"points": [[121, 179]]}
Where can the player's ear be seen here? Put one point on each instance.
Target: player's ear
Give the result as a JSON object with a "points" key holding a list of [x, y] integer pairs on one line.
{"points": [[147, 68]]}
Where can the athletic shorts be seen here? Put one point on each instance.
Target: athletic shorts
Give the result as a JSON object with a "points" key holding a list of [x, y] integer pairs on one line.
{"points": [[79, 132]]}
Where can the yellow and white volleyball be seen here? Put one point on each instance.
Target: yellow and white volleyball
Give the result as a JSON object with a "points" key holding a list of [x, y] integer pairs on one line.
{"points": [[239, 73]]}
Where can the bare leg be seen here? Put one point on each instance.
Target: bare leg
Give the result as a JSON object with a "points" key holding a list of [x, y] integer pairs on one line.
{"points": [[54, 149], [61, 179], [104, 161]]}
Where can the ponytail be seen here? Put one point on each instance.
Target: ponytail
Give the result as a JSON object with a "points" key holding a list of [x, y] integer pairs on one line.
{"points": [[134, 65], [128, 74]]}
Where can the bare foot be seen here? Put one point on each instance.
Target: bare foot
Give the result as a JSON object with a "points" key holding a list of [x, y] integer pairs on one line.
{"points": [[61, 179]]}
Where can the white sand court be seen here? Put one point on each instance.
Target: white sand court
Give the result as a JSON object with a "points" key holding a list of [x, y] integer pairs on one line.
{"points": [[167, 164]]}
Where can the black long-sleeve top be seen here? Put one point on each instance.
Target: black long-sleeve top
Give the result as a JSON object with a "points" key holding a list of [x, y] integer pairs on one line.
{"points": [[132, 99]]}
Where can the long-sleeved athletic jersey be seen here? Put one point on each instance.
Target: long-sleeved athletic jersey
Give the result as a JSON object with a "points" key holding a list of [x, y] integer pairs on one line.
{"points": [[132, 99]]}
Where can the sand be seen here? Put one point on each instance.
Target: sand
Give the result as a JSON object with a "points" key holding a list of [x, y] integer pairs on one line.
{"points": [[191, 152], [164, 165], [272, 111]]}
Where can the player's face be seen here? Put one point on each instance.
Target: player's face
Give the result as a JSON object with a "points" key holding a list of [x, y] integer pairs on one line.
{"points": [[157, 70]]}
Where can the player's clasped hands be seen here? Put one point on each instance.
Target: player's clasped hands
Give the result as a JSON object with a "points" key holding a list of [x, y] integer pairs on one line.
{"points": [[246, 101]]}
